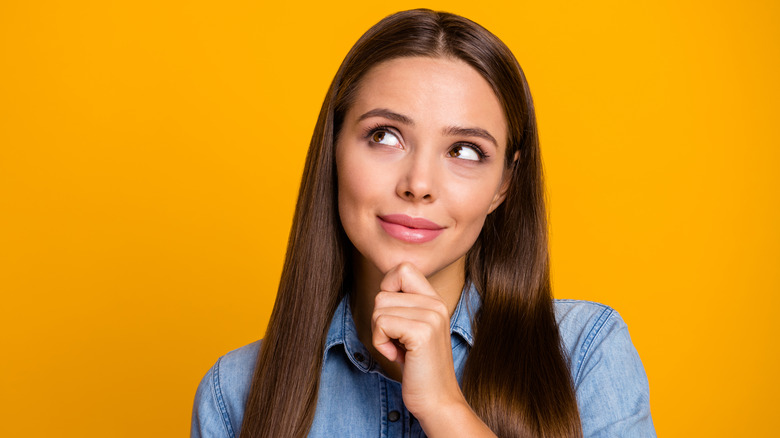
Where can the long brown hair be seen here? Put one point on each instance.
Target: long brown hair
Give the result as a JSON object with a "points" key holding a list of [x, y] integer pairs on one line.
{"points": [[515, 378]]}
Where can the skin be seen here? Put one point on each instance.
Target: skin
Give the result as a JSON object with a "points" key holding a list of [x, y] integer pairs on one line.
{"points": [[409, 145]]}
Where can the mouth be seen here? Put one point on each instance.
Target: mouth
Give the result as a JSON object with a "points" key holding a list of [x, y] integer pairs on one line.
{"points": [[408, 229]]}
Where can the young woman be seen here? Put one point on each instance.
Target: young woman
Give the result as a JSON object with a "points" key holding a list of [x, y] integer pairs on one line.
{"points": [[415, 297]]}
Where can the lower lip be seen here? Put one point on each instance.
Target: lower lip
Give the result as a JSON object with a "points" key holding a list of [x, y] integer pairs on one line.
{"points": [[411, 235]]}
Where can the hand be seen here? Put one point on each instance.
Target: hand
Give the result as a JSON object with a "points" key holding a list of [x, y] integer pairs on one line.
{"points": [[411, 326]]}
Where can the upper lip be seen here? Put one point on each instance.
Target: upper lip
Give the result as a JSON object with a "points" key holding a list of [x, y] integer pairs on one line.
{"points": [[411, 222]]}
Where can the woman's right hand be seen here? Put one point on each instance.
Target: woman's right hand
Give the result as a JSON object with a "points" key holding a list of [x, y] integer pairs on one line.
{"points": [[411, 326]]}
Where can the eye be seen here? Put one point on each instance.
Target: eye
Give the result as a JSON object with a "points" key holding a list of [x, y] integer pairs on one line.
{"points": [[466, 152], [385, 137]]}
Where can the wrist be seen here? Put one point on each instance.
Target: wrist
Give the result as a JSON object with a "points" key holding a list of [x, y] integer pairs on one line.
{"points": [[453, 418]]}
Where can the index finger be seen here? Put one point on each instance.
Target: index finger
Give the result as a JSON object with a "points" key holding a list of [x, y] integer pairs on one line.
{"points": [[407, 278]]}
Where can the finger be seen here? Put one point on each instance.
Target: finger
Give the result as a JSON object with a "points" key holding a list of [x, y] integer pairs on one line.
{"points": [[407, 278], [387, 346], [428, 316], [386, 299], [392, 351], [410, 333]]}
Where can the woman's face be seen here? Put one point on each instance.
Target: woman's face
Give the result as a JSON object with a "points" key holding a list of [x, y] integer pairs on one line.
{"points": [[420, 162]]}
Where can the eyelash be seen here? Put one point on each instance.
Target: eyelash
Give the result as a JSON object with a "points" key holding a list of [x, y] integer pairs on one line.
{"points": [[371, 130]]}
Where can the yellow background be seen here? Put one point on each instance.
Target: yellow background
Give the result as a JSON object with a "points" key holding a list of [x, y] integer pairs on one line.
{"points": [[150, 154]]}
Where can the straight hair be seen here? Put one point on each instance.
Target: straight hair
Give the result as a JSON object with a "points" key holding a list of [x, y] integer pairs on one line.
{"points": [[516, 377]]}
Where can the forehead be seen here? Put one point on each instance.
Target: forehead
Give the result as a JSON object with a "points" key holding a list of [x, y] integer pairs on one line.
{"points": [[433, 92]]}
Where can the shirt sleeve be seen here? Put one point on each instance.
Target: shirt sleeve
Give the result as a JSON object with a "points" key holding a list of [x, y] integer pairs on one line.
{"points": [[612, 388], [209, 418]]}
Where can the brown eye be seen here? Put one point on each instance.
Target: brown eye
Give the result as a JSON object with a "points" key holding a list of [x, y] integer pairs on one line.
{"points": [[384, 137], [464, 153]]}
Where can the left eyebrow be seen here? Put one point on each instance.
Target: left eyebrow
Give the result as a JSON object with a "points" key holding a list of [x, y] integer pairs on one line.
{"points": [[470, 132]]}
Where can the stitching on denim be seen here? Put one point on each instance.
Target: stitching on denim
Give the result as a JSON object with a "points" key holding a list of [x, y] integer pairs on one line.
{"points": [[594, 332], [459, 329], [573, 301], [220, 401], [383, 394], [455, 326], [456, 314], [349, 333]]}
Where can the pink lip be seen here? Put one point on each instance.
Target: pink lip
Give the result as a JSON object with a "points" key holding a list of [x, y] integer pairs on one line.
{"points": [[410, 229]]}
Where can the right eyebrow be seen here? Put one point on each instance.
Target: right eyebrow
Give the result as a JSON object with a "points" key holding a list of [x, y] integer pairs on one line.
{"points": [[387, 114]]}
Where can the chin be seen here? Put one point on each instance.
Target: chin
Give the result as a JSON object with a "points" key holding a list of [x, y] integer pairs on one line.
{"points": [[421, 262]]}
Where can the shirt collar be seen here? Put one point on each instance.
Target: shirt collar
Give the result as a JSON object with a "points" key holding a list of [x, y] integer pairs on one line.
{"points": [[342, 329]]}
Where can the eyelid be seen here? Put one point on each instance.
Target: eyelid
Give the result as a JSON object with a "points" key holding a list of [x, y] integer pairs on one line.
{"points": [[372, 129], [376, 127]]}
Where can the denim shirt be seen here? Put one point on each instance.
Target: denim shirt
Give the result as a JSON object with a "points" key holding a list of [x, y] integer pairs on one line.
{"points": [[357, 400]]}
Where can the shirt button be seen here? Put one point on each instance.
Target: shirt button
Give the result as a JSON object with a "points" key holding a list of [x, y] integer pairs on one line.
{"points": [[359, 357], [393, 416]]}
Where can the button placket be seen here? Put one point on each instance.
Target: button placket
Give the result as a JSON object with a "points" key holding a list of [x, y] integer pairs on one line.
{"points": [[396, 413]]}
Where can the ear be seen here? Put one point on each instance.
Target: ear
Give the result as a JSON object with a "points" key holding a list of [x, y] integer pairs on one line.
{"points": [[500, 195]]}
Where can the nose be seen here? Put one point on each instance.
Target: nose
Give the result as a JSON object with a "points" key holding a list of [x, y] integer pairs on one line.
{"points": [[418, 180]]}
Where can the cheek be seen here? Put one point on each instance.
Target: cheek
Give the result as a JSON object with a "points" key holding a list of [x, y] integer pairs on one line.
{"points": [[471, 202], [350, 189], [469, 207], [359, 190], [470, 217]]}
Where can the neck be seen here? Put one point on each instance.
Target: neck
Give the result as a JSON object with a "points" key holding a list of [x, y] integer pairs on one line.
{"points": [[448, 283]]}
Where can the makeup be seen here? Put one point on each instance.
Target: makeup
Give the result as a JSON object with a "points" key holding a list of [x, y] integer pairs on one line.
{"points": [[409, 229]]}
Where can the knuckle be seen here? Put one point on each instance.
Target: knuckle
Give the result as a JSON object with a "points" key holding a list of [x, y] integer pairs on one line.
{"points": [[427, 332], [380, 300], [441, 323], [405, 268], [441, 308]]}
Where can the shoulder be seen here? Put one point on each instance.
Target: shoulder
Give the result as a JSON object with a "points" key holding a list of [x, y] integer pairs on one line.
{"points": [[219, 401], [609, 379], [582, 324]]}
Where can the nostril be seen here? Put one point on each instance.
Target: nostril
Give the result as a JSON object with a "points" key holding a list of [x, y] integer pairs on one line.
{"points": [[408, 194]]}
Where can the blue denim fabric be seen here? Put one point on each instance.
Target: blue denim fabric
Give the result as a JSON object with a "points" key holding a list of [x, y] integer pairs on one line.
{"points": [[357, 400]]}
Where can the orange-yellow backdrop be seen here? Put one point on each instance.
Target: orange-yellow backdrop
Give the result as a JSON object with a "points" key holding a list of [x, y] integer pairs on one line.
{"points": [[150, 154]]}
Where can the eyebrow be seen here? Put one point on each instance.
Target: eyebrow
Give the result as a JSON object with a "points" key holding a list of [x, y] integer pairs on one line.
{"points": [[386, 113], [470, 132], [452, 130]]}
